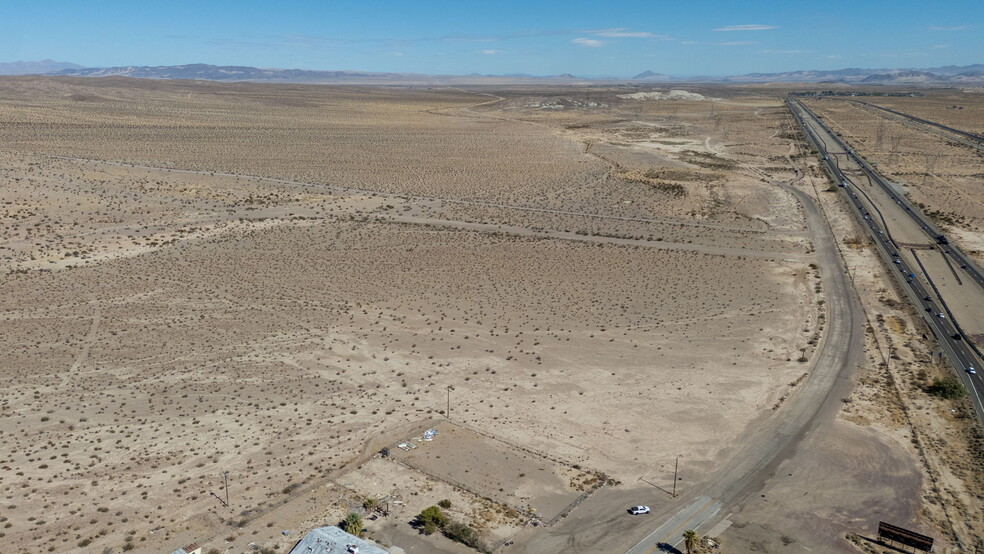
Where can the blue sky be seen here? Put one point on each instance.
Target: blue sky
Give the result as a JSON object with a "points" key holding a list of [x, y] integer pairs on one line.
{"points": [[617, 38]]}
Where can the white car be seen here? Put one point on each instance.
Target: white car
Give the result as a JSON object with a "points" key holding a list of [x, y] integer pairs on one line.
{"points": [[940, 315], [637, 510], [971, 370]]}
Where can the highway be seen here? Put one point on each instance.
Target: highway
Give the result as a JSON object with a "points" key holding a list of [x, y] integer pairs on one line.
{"points": [[871, 198]]}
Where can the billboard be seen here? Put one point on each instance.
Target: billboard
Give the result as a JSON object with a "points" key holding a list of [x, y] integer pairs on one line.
{"points": [[904, 536]]}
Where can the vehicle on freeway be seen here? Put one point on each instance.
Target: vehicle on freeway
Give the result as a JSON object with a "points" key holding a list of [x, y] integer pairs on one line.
{"points": [[971, 370], [637, 510], [956, 336], [940, 315]]}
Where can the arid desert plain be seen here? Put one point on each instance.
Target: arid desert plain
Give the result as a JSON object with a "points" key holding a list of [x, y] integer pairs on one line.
{"points": [[248, 292]]}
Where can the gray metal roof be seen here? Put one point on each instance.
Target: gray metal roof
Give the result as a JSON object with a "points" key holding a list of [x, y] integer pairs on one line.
{"points": [[332, 540]]}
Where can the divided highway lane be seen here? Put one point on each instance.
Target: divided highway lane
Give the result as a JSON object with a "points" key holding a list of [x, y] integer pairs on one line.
{"points": [[927, 226], [930, 230], [959, 351]]}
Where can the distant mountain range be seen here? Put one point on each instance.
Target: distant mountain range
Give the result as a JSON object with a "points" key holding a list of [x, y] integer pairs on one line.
{"points": [[234, 73], [958, 75], [35, 68], [947, 75], [652, 76]]}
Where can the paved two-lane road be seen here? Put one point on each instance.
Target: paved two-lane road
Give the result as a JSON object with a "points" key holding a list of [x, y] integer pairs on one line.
{"points": [[776, 434]]}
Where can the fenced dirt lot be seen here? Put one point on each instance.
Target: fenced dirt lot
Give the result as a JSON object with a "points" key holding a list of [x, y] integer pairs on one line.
{"points": [[494, 469]]}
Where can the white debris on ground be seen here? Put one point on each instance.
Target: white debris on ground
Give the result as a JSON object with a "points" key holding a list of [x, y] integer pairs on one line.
{"points": [[410, 445], [672, 95], [562, 103]]}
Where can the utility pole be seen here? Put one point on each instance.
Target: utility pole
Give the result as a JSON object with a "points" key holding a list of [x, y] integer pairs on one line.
{"points": [[448, 413], [225, 479], [676, 469]]}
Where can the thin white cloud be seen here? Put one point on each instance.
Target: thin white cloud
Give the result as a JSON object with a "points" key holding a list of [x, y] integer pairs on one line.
{"points": [[722, 43], [623, 32], [589, 42], [767, 51], [492, 52], [957, 28], [746, 28], [507, 36]]}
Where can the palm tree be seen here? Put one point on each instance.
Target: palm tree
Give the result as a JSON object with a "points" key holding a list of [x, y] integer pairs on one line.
{"points": [[353, 524], [690, 540]]}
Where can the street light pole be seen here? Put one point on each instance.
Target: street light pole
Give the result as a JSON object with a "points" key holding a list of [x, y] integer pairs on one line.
{"points": [[448, 413], [225, 479], [676, 468]]}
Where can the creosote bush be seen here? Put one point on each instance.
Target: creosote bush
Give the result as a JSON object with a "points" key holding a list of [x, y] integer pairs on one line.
{"points": [[947, 387], [431, 519]]}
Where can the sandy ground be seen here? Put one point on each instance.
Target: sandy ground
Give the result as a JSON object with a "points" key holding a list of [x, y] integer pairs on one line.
{"points": [[296, 272], [887, 447], [814, 498], [960, 109], [536, 485], [278, 325]]}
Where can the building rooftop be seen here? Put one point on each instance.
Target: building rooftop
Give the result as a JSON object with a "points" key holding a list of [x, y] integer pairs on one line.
{"points": [[332, 540]]}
